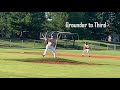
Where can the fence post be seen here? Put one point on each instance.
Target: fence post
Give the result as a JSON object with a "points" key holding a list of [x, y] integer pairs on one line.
{"points": [[94, 46], [114, 47], [107, 47], [34, 44], [78, 45], [10, 42], [65, 45], [22, 41], [91, 45], [100, 47]]}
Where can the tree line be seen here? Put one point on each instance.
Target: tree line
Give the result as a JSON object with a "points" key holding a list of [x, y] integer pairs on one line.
{"points": [[30, 24]]}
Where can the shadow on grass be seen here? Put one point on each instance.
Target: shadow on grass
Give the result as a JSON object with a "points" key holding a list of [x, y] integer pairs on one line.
{"points": [[55, 61]]}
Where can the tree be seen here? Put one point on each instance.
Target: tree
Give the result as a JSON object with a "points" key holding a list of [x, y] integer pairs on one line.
{"points": [[15, 23], [77, 18], [111, 18], [57, 23], [27, 22]]}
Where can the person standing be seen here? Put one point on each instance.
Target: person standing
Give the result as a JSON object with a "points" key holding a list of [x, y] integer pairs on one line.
{"points": [[50, 44], [86, 48]]}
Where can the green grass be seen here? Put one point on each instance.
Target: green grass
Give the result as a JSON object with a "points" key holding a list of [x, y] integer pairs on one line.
{"points": [[17, 65]]}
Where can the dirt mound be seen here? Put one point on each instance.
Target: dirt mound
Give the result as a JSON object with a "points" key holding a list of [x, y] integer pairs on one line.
{"points": [[63, 62], [53, 62]]}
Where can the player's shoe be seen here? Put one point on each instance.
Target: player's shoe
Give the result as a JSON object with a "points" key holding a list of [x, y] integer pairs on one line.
{"points": [[43, 55]]}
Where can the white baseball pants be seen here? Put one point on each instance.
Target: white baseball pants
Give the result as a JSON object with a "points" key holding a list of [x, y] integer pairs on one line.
{"points": [[51, 48]]}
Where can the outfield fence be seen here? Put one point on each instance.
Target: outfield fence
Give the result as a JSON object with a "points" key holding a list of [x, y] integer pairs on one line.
{"points": [[17, 43], [104, 47], [62, 44], [70, 44]]}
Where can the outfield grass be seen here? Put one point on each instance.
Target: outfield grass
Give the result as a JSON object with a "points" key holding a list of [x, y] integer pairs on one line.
{"points": [[14, 66]]}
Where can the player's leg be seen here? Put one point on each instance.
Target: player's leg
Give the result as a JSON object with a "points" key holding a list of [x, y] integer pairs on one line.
{"points": [[46, 49], [83, 52], [53, 51], [88, 52]]}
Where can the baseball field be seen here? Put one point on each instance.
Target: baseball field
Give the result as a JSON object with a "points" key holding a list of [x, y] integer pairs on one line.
{"points": [[25, 38], [29, 63]]}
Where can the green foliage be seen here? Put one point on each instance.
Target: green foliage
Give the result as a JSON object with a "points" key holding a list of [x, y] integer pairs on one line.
{"points": [[12, 24], [57, 23], [111, 18]]}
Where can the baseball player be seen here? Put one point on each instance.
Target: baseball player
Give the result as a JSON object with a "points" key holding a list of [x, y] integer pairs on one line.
{"points": [[86, 48], [50, 44]]}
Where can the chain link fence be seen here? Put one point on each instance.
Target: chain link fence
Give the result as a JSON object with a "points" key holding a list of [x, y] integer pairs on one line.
{"points": [[104, 47], [65, 44], [17, 43]]}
